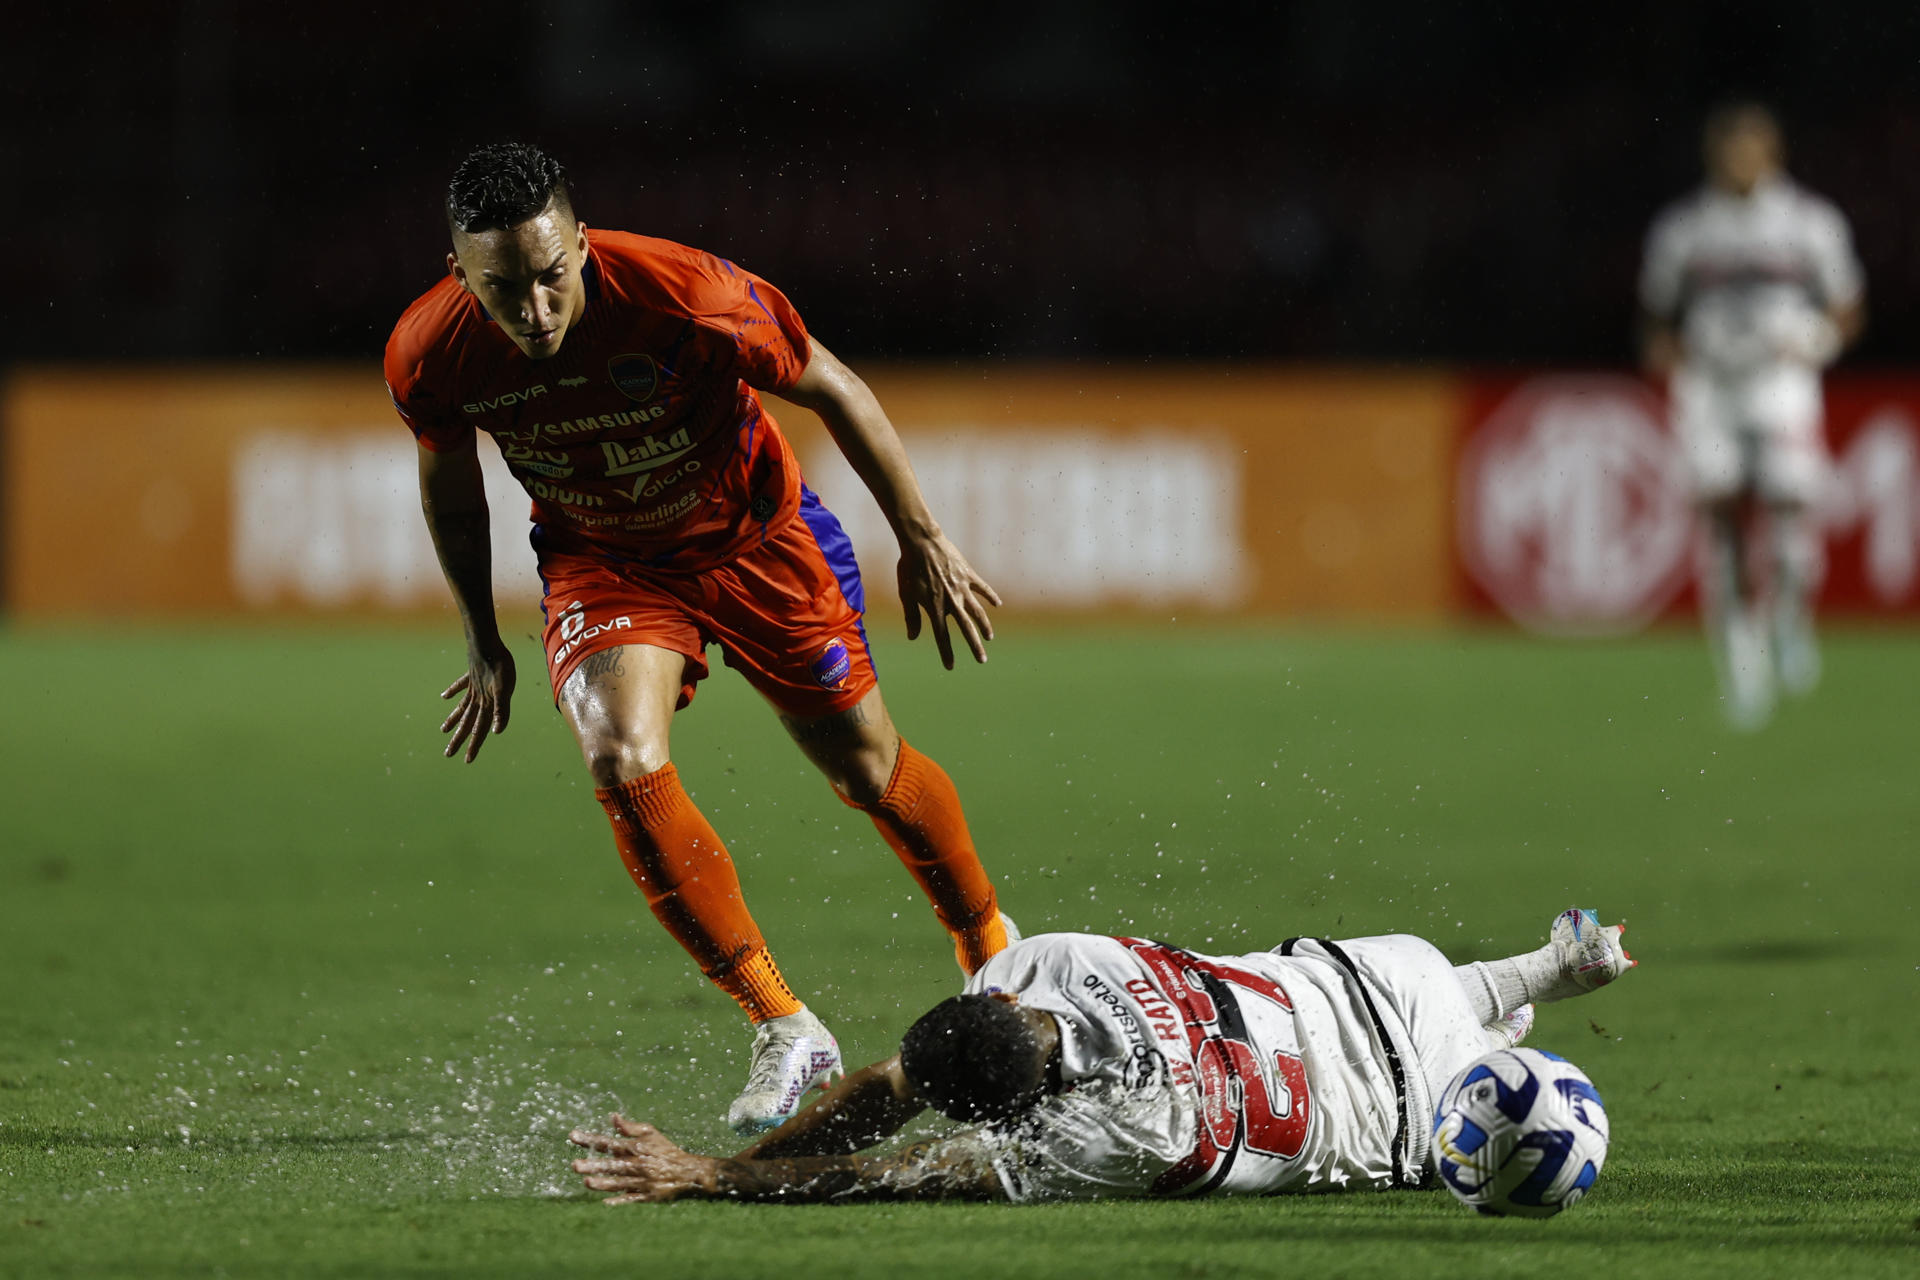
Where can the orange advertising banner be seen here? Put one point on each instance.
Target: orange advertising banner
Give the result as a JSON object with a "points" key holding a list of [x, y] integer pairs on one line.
{"points": [[1219, 490]]}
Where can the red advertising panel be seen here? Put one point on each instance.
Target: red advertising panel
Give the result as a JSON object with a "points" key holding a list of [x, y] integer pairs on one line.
{"points": [[1572, 508]]}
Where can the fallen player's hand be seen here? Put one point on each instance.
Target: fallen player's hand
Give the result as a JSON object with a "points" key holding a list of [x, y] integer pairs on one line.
{"points": [[935, 577], [641, 1164], [488, 685]]}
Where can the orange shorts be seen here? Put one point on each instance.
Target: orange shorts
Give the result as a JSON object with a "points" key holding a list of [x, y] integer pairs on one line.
{"points": [[786, 614]]}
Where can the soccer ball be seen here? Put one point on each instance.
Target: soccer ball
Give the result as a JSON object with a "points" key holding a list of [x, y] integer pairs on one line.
{"points": [[1520, 1132]]}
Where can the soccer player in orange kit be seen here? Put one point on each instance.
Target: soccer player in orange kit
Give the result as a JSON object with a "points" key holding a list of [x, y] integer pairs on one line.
{"points": [[618, 376]]}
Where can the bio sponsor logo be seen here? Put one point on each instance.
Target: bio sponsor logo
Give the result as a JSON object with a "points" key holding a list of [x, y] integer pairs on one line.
{"points": [[1573, 512], [504, 400], [570, 383]]}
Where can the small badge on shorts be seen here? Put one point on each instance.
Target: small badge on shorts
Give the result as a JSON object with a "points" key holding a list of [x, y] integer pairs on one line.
{"points": [[833, 666], [763, 508]]}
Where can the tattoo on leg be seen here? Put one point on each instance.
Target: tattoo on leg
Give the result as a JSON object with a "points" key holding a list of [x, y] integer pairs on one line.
{"points": [[606, 662], [845, 724]]}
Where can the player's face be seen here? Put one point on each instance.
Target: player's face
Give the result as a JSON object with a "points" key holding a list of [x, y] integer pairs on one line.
{"points": [[1743, 157], [527, 277]]}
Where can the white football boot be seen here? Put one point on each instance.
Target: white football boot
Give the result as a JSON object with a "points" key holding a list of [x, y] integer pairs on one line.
{"points": [[1745, 670], [1509, 1031], [1796, 650], [1013, 936], [791, 1057], [1591, 954]]}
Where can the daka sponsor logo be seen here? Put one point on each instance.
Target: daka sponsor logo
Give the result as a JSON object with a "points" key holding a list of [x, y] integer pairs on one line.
{"points": [[570, 383]]}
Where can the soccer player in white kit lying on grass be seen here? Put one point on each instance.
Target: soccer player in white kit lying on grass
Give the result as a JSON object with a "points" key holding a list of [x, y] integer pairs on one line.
{"points": [[1750, 287], [1088, 1066]]}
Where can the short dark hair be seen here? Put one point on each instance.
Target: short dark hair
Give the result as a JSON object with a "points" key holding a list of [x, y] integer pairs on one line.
{"points": [[973, 1058], [503, 184]]}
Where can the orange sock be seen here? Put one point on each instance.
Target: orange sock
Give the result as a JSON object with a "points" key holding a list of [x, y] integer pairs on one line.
{"points": [[673, 854], [920, 818]]}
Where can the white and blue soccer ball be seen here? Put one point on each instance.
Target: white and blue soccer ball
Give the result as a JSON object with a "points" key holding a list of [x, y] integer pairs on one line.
{"points": [[1521, 1132]]}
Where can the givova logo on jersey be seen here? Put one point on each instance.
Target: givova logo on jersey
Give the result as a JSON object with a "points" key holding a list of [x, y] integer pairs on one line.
{"points": [[1573, 511]]}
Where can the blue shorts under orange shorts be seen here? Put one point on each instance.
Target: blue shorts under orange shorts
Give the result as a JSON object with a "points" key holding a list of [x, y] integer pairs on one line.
{"points": [[786, 614]]}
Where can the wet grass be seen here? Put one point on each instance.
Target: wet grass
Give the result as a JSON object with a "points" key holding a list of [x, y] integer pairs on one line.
{"points": [[289, 995]]}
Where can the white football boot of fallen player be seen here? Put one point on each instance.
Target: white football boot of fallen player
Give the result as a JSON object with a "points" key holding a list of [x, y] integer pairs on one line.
{"points": [[1591, 954], [1507, 1032], [792, 1056]]}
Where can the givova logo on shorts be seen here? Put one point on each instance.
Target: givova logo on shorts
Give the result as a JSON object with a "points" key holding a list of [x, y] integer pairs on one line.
{"points": [[575, 631], [1572, 506]]}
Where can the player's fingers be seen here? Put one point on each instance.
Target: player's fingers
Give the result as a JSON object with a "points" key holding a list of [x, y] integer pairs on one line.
{"points": [[454, 716], [462, 729], [984, 589], [617, 1184], [937, 619], [502, 708], [597, 1142], [912, 611], [969, 629], [457, 686], [632, 1199], [482, 725], [621, 1166], [633, 1128]]}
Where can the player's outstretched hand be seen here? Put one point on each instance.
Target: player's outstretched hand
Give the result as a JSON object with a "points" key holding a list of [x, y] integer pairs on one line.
{"points": [[936, 578], [488, 686], [640, 1164]]}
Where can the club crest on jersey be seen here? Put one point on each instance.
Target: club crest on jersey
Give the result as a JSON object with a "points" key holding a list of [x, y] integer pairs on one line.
{"points": [[831, 668], [636, 376]]}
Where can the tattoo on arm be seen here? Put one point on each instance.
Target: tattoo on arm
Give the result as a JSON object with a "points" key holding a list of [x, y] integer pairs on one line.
{"points": [[845, 724]]}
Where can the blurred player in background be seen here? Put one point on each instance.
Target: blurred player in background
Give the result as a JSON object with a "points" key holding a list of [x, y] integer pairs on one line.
{"points": [[618, 376], [1749, 289], [1092, 1066]]}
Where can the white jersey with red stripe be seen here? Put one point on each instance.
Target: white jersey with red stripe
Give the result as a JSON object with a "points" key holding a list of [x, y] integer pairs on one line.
{"points": [[1741, 276], [1187, 1074]]}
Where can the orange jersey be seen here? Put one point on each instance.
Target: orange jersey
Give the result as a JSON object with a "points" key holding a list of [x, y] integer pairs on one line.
{"points": [[642, 437]]}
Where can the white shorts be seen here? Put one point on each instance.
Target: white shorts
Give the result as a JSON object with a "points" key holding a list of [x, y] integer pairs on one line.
{"points": [[1427, 1016], [1760, 432]]}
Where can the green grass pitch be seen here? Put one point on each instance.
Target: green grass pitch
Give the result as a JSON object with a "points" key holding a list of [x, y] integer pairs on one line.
{"points": [[288, 994]]}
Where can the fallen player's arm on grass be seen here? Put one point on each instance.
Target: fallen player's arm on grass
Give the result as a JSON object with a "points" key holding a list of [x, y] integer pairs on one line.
{"points": [[639, 1164], [857, 1111]]}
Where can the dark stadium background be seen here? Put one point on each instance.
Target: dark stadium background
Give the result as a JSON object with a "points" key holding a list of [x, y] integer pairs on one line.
{"points": [[1316, 181]]}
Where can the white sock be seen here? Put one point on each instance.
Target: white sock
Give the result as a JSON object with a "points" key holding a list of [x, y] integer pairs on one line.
{"points": [[1496, 988]]}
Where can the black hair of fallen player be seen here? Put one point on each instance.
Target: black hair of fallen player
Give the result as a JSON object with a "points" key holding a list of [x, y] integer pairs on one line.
{"points": [[974, 1058], [503, 184]]}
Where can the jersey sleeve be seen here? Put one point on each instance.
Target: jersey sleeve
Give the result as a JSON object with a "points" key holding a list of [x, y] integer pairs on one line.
{"points": [[1834, 264], [759, 335], [1662, 267], [1101, 1139], [424, 413]]}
